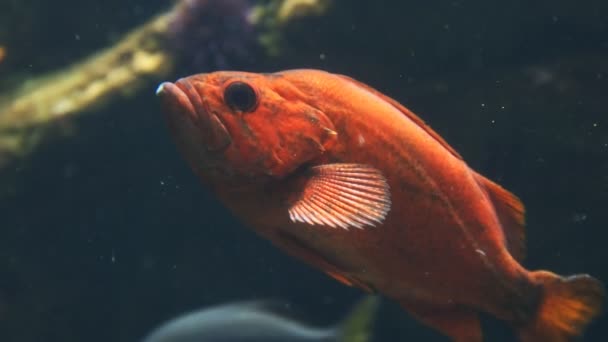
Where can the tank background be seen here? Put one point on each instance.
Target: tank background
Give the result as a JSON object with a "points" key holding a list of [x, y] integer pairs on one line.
{"points": [[109, 232]]}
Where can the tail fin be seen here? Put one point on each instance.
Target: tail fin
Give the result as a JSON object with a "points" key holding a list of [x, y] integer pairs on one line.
{"points": [[358, 325], [566, 306]]}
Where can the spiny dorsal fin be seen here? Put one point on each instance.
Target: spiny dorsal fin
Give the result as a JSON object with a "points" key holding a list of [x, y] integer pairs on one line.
{"points": [[511, 213], [417, 120]]}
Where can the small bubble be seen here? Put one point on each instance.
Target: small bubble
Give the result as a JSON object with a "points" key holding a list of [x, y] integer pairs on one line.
{"points": [[77, 36], [579, 217], [322, 56]]}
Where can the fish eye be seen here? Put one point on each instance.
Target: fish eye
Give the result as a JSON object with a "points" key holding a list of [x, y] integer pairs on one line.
{"points": [[241, 96]]}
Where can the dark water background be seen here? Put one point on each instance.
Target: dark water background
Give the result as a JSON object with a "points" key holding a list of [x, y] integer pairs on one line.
{"points": [[109, 232]]}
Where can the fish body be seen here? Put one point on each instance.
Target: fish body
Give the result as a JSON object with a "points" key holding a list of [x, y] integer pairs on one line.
{"points": [[350, 181], [251, 321]]}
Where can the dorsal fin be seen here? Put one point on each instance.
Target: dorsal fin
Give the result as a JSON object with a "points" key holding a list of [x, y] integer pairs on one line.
{"points": [[417, 120], [511, 213]]}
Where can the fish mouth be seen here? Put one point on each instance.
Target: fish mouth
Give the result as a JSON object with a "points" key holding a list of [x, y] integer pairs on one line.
{"points": [[183, 107]]}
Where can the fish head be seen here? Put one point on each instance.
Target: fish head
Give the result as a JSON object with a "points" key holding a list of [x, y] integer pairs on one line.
{"points": [[229, 124]]}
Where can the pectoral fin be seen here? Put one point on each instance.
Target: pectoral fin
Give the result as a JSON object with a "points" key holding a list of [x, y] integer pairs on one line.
{"points": [[342, 195]]}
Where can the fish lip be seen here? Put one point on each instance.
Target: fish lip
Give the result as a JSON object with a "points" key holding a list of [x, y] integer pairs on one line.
{"points": [[173, 96], [215, 134]]}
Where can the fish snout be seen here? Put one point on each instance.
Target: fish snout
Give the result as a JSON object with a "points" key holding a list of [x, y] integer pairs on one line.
{"points": [[183, 104]]}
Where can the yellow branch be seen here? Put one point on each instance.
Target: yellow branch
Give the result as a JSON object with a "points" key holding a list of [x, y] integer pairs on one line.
{"points": [[118, 71]]}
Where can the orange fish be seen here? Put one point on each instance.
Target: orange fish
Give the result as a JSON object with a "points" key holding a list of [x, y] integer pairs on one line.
{"points": [[348, 180]]}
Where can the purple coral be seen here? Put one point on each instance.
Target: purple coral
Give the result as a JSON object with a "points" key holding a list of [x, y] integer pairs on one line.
{"points": [[212, 35]]}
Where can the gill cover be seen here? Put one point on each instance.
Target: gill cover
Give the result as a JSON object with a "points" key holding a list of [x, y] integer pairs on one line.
{"points": [[273, 128]]}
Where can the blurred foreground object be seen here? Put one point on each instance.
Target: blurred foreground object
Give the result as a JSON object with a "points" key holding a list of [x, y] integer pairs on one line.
{"points": [[194, 34], [257, 321]]}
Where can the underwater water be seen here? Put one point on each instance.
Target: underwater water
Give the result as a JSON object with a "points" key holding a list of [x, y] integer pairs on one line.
{"points": [[105, 232]]}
